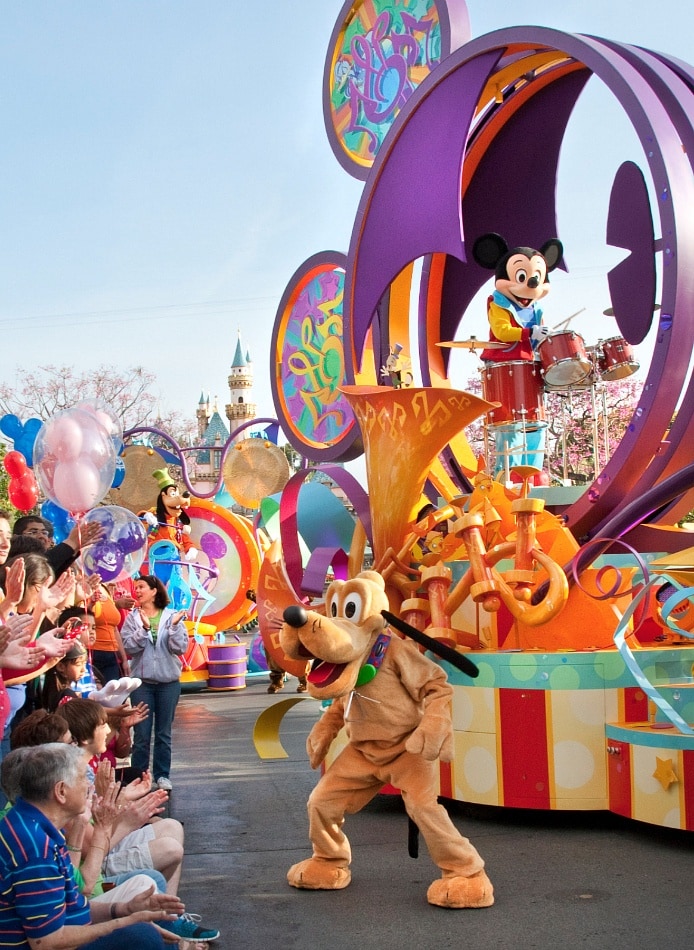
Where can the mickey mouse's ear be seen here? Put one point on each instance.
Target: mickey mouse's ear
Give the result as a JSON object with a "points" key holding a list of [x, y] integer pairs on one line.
{"points": [[489, 249], [552, 251]]}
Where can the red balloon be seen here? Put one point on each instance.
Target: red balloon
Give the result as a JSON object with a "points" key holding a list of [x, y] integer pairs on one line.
{"points": [[15, 464], [23, 493]]}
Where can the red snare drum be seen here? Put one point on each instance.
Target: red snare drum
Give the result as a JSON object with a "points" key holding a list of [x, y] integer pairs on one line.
{"points": [[587, 382], [616, 361], [564, 359], [517, 385]]}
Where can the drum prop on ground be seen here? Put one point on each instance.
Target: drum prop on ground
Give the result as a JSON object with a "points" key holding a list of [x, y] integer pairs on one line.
{"points": [[227, 663]]}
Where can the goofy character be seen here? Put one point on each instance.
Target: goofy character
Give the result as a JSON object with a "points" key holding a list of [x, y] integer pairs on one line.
{"points": [[170, 521]]}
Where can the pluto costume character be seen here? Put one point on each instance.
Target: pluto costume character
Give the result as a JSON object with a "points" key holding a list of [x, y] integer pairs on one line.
{"points": [[395, 704]]}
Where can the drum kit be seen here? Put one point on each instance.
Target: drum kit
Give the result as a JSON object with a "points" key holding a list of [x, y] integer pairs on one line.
{"points": [[565, 366]]}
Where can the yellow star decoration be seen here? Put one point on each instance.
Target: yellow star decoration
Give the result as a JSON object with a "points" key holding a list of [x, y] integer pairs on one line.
{"points": [[665, 773]]}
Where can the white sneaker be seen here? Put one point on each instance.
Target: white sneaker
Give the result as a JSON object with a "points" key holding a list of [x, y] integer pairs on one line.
{"points": [[165, 784]]}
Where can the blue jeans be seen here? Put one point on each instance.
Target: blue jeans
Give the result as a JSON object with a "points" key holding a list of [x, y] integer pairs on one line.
{"points": [[141, 936], [106, 662], [162, 699]]}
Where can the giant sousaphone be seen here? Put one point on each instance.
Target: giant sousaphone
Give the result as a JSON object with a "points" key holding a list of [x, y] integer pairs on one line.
{"points": [[403, 432]]}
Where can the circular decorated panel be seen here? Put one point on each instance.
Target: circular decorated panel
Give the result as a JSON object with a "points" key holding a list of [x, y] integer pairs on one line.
{"points": [[308, 362], [226, 544], [380, 51]]}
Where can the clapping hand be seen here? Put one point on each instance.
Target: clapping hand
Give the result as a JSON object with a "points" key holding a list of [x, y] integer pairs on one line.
{"points": [[105, 807], [52, 596], [14, 583], [53, 644], [139, 812], [151, 906], [138, 788], [18, 653]]}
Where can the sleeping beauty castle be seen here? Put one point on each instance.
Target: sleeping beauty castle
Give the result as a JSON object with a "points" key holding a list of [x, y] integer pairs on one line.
{"points": [[213, 430]]}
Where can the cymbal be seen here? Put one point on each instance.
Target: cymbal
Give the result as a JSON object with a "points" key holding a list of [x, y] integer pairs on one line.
{"points": [[473, 344], [609, 311]]}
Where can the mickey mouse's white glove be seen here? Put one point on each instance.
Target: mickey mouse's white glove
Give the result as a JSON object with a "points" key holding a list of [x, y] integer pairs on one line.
{"points": [[540, 333]]}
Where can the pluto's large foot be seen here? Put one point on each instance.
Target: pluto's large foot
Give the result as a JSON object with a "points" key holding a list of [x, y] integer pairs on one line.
{"points": [[475, 891], [316, 875]]}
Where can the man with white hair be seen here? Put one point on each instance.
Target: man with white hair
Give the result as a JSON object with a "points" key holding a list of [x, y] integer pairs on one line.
{"points": [[41, 907]]}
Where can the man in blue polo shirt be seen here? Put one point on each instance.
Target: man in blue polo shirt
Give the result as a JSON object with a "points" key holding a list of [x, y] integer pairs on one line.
{"points": [[40, 904]]}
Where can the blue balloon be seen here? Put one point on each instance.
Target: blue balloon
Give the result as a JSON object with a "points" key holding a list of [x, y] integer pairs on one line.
{"points": [[11, 426], [59, 518], [33, 425], [119, 474], [25, 442], [26, 447]]}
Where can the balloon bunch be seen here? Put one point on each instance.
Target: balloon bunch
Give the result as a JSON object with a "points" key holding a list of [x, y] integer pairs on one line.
{"points": [[22, 491], [23, 435], [121, 550], [75, 459]]}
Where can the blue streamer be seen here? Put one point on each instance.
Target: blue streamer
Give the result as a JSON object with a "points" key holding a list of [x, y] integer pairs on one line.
{"points": [[674, 600], [636, 671]]}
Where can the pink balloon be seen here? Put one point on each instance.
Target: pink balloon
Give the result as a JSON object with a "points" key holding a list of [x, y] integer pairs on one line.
{"points": [[96, 444], [63, 436], [77, 485]]}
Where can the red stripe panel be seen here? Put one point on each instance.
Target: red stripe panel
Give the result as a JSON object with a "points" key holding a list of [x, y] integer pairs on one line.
{"points": [[524, 765], [688, 779], [635, 705], [619, 777]]}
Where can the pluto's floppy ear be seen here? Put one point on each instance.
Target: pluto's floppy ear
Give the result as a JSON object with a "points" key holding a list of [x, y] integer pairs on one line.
{"points": [[440, 649], [552, 251], [488, 250]]}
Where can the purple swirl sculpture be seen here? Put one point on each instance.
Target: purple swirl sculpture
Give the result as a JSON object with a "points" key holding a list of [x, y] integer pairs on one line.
{"points": [[456, 130]]}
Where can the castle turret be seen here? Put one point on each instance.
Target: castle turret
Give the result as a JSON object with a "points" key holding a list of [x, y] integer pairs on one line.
{"points": [[202, 414], [240, 409]]}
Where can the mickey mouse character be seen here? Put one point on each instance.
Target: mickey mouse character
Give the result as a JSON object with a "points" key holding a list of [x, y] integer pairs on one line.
{"points": [[520, 282]]}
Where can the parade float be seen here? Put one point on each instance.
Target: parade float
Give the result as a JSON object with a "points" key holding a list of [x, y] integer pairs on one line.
{"points": [[574, 606]]}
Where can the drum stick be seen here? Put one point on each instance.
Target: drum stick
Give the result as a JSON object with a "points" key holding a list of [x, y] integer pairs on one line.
{"points": [[568, 320]]}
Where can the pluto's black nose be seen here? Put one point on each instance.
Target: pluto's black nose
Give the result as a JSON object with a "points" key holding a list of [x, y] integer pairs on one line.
{"points": [[295, 616]]}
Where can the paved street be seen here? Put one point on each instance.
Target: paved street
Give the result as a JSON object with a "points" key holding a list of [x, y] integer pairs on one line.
{"points": [[562, 880]]}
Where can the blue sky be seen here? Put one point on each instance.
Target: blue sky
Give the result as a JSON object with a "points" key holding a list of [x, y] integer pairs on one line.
{"points": [[165, 169]]}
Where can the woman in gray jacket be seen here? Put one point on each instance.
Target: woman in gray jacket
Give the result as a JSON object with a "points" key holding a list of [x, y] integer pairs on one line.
{"points": [[154, 637]]}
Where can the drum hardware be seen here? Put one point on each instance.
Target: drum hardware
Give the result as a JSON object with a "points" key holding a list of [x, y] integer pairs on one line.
{"points": [[473, 344]]}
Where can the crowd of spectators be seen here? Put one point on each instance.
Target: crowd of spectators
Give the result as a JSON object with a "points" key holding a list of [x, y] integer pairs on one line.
{"points": [[88, 854]]}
